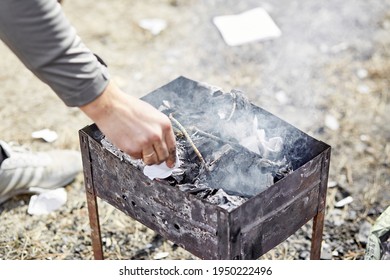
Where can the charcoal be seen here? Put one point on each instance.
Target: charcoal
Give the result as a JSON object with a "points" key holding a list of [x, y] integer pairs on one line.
{"points": [[215, 196], [225, 200]]}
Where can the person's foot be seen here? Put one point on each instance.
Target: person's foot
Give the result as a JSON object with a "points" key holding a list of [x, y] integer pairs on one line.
{"points": [[24, 172]]}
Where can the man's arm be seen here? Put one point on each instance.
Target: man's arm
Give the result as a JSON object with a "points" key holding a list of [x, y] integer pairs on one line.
{"points": [[38, 32], [43, 39]]}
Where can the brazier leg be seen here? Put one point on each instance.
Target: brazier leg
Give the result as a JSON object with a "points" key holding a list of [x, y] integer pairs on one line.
{"points": [[316, 239], [91, 197], [318, 220], [95, 226]]}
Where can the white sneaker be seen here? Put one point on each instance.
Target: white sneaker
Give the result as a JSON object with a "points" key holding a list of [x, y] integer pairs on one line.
{"points": [[24, 172]]}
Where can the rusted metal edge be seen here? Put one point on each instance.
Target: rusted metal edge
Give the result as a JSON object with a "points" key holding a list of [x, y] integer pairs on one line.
{"points": [[318, 220], [223, 233], [91, 197], [229, 237], [86, 159], [324, 179]]}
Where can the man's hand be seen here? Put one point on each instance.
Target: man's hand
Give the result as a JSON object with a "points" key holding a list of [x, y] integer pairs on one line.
{"points": [[134, 126]]}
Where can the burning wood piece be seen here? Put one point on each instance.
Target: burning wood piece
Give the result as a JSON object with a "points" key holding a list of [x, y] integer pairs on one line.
{"points": [[187, 136], [212, 136], [220, 154]]}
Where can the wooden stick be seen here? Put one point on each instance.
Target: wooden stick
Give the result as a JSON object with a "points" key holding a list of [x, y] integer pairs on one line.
{"points": [[187, 136], [218, 139]]}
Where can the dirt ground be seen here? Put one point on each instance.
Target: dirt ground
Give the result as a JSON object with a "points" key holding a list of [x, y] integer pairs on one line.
{"points": [[328, 74]]}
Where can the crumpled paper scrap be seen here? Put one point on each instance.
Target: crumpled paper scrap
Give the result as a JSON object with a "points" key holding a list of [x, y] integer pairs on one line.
{"points": [[154, 25], [259, 144], [252, 25], [45, 134], [47, 202], [161, 170]]}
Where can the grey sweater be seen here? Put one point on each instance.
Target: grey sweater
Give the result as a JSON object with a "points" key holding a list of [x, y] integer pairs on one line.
{"points": [[43, 39]]}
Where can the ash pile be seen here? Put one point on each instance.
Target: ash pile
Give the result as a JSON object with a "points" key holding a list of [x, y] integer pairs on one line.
{"points": [[228, 152]]}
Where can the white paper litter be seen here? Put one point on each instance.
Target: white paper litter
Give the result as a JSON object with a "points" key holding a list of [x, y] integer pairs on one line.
{"points": [[154, 25], [47, 202], [331, 122], [343, 202], [45, 134], [161, 255], [282, 97], [161, 170], [362, 73], [363, 89], [252, 25], [332, 184]]}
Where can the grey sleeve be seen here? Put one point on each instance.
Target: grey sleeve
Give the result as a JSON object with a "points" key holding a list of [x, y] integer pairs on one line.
{"points": [[39, 34]]}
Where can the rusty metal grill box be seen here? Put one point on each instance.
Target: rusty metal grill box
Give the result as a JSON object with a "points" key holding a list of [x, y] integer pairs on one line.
{"points": [[207, 230]]}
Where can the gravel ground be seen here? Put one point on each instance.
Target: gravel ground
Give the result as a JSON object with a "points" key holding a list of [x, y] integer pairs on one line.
{"points": [[327, 75]]}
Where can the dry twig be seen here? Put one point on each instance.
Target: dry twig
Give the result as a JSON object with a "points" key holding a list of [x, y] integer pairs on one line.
{"points": [[187, 136]]}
